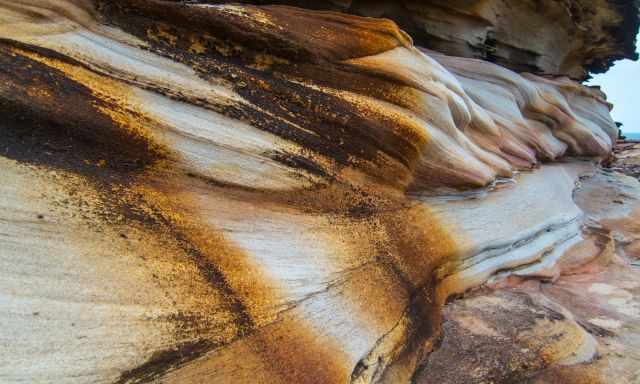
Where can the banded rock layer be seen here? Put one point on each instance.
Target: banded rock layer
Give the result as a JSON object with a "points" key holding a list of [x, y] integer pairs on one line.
{"points": [[571, 37], [264, 194]]}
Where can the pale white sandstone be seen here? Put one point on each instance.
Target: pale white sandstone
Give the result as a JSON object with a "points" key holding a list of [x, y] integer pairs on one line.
{"points": [[247, 251]]}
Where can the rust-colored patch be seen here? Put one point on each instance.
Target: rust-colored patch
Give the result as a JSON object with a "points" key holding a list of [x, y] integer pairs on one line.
{"points": [[296, 355], [55, 119], [120, 105], [348, 132], [575, 374], [285, 30], [162, 32], [500, 337], [343, 140], [164, 361]]}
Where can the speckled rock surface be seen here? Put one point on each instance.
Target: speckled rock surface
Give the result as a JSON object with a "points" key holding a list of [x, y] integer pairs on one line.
{"points": [[570, 37], [233, 193], [578, 324]]}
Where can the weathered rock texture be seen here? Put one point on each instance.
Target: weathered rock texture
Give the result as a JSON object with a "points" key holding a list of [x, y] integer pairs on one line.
{"points": [[573, 320], [570, 37], [224, 193]]}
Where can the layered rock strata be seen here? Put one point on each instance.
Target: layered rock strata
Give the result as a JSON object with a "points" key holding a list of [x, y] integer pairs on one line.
{"points": [[577, 321], [265, 194], [572, 37]]}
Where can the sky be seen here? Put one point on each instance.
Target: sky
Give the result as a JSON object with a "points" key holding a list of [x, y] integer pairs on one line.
{"points": [[622, 86]]}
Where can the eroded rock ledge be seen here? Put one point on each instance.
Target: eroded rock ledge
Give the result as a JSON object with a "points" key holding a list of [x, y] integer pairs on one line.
{"points": [[269, 194], [571, 37]]}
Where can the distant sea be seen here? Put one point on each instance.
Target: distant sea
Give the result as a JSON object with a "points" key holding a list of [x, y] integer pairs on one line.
{"points": [[632, 135]]}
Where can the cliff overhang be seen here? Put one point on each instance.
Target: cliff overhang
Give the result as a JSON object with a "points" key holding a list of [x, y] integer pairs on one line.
{"points": [[569, 37]]}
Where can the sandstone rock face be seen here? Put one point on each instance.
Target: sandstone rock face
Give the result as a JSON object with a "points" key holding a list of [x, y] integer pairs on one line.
{"points": [[577, 321], [223, 193], [570, 37]]}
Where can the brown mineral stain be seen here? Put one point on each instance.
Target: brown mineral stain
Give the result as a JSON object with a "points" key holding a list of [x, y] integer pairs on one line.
{"points": [[54, 120], [164, 361], [122, 107], [568, 336], [263, 62], [574, 374], [298, 355], [198, 45], [349, 129], [243, 281], [293, 353], [285, 30], [162, 32], [400, 277], [402, 242]]}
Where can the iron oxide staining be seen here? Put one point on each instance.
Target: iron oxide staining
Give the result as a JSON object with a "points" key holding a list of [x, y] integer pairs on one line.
{"points": [[105, 145], [163, 361], [376, 109], [330, 274], [52, 119], [316, 120]]}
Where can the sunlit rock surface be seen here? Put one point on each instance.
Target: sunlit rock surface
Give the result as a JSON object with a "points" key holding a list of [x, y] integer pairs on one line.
{"points": [[196, 192]]}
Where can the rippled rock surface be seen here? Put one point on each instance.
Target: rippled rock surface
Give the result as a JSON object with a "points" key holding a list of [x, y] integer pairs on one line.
{"points": [[236, 193], [570, 37]]}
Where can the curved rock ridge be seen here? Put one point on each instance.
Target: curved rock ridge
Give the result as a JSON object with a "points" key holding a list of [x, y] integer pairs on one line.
{"points": [[572, 37], [407, 120], [263, 194]]}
